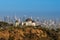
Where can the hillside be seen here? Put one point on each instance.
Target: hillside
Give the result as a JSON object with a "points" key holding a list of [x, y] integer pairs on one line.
{"points": [[28, 33]]}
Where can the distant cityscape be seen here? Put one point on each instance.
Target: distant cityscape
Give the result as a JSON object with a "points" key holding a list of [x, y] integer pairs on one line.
{"points": [[48, 23]]}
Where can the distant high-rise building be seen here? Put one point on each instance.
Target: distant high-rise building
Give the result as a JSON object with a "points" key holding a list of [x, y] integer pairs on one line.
{"points": [[24, 17], [1, 19], [15, 18], [7, 19]]}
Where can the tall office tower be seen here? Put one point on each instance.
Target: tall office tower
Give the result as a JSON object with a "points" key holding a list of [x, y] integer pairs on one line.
{"points": [[19, 20], [1, 19], [15, 18], [4, 19], [24, 18], [7, 19], [10, 20]]}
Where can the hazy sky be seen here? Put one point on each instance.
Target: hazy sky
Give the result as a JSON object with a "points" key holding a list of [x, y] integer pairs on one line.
{"points": [[47, 8]]}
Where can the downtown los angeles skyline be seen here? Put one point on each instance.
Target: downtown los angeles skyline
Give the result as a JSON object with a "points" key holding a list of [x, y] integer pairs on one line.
{"points": [[37, 8]]}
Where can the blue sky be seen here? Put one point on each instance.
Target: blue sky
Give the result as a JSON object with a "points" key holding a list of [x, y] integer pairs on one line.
{"points": [[46, 8]]}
